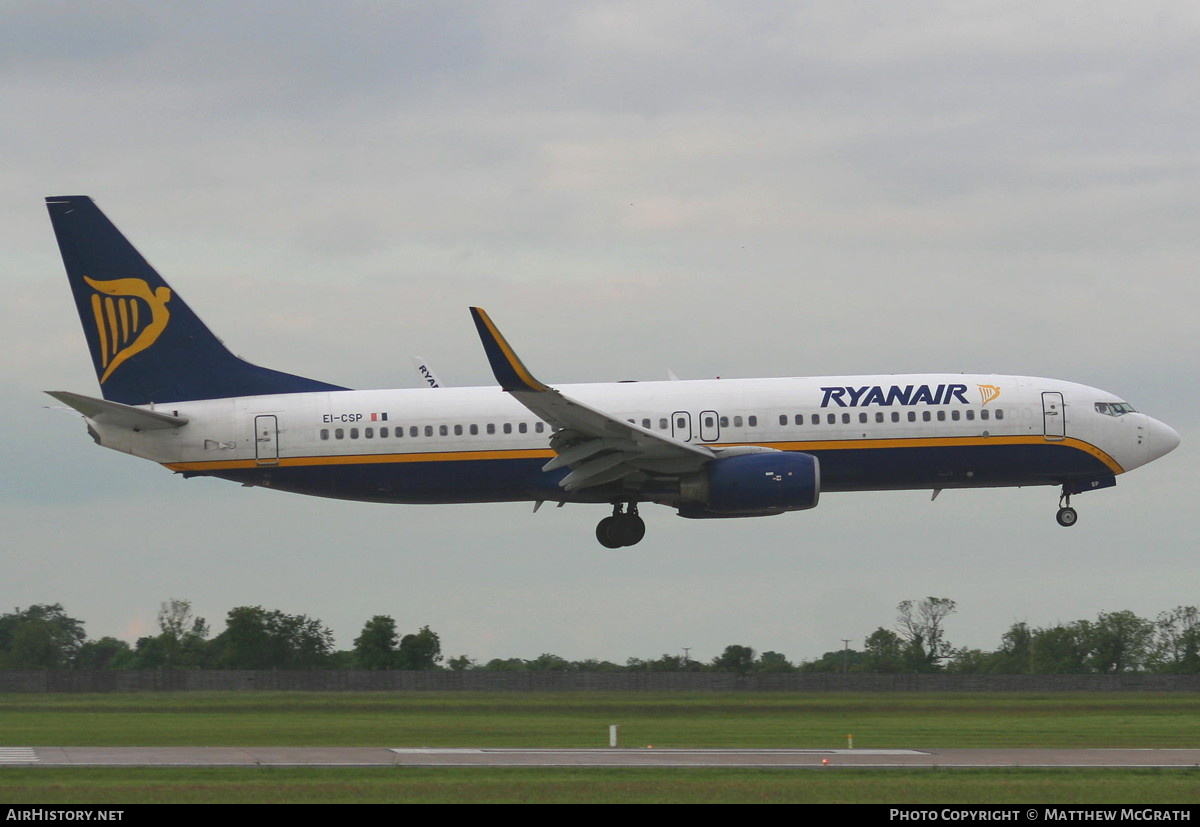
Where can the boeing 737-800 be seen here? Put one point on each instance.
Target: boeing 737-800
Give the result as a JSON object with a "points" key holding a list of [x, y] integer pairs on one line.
{"points": [[172, 393]]}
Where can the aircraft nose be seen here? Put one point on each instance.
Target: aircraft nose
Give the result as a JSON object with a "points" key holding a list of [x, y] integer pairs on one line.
{"points": [[1161, 439]]}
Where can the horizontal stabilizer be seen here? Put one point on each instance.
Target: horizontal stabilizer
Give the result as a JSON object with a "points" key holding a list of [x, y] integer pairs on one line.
{"points": [[114, 413]]}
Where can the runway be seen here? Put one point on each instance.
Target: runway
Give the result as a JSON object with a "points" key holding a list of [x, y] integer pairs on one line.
{"points": [[642, 757]]}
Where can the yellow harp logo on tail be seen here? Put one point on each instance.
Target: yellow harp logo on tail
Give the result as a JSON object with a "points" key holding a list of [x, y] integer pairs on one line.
{"points": [[129, 318], [988, 393]]}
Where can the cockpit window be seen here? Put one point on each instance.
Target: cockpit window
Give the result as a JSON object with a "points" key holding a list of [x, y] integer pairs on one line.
{"points": [[1114, 408]]}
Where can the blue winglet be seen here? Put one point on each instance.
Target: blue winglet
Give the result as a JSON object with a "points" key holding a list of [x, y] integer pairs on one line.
{"points": [[510, 372]]}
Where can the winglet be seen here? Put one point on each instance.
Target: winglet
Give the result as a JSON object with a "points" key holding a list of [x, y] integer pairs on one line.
{"points": [[510, 372]]}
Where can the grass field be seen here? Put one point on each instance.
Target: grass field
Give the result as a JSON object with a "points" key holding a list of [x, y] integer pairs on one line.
{"points": [[268, 785], [883, 720]]}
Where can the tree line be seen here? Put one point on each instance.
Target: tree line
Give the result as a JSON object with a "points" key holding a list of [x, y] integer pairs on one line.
{"points": [[44, 636]]}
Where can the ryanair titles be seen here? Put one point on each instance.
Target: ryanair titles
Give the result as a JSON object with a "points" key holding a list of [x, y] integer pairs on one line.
{"points": [[861, 397]]}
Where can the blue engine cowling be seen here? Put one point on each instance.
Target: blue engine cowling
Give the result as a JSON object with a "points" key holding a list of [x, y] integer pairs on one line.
{"points": [[752, 485]]}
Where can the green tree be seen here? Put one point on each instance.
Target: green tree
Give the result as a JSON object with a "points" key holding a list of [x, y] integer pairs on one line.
{"points": [[920, 625], [547, 662], [40, 637], [105, 653], [883, 652], [180, 643], [257, 639], [773, 662], [735, 658], [1119, 642], [1060, 650], [462, 663], [422, 650], [376, 646], [1176, 645], [837, 661]]}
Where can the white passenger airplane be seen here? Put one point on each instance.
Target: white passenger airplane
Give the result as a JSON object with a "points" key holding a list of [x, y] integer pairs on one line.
{"points": [[174, 394]]}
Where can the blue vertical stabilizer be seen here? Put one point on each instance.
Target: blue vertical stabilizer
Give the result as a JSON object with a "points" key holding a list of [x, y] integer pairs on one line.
{"points": [[147, 344]]}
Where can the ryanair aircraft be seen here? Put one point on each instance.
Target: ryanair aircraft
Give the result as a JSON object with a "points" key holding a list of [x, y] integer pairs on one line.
{"points": [[172, 393]]}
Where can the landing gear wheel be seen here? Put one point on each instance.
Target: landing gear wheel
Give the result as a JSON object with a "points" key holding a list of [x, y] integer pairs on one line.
{"points": [[606, 533], [622, 528], [631, 529], [1067, 516]]}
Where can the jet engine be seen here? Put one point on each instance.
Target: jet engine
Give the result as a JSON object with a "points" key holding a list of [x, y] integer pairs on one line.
{"points": [[752, 485]]}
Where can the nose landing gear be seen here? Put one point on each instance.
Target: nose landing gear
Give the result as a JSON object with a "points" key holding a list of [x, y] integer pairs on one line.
{"points": [[1066, 516], [622, 528]]}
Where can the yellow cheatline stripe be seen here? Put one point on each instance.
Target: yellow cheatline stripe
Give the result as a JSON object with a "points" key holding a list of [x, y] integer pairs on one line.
{"points": [[546, 453], [364, 459], [513, 360]]}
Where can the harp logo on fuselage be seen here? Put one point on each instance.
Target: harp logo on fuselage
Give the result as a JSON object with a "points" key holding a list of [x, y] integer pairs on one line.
{"points": [[129, 318]]}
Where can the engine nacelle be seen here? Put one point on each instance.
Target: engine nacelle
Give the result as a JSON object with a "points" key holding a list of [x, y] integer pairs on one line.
{"points": [[752, 485]]}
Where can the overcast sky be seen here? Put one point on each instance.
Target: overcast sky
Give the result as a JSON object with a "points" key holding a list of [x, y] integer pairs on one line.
{"points": [[714, 189]]}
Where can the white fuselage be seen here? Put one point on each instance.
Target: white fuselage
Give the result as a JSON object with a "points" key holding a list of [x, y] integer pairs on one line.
{"points": [[477, 444]]}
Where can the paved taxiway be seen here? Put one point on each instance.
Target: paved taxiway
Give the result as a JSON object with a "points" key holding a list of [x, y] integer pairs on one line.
{"points": [[643, 757]]}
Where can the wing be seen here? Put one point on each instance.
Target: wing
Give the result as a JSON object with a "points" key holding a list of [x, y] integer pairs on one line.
{"points": [[597, 447]]}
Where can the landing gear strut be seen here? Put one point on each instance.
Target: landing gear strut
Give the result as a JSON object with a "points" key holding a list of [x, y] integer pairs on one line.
{"points": [[1066, 516], [622, 528]]}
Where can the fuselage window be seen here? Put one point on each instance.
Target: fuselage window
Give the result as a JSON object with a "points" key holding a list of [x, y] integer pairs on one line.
{"points": [[324, 433], [895, 416], [541, 426], [508, 427], [474, 429], [983, 414], [845, 419], [799, 419], [783, 419], [955, 414], [831, 418], [926, 416], [339, 434], [458, 430], [879, 416], [491, 427], [752, 421], [709, 422], [662, 423], [413, 431], [681, 422], [862, 418], [428, 430], [999, 413], [724, 422], [383, 433], [443, 430], [522, 427], [369, 433], [354, 433], [645, 423], [737, 422], [912, 416], [941, 416], [970, 415]]}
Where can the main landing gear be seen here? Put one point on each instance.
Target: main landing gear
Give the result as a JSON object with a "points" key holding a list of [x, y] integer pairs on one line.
{"points": [[622, 528], [1066, 516]]}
